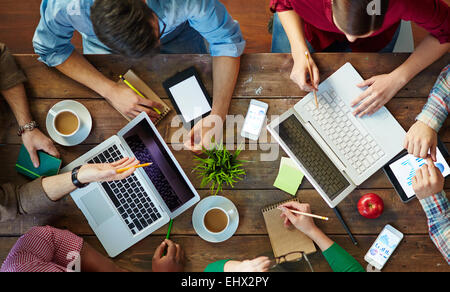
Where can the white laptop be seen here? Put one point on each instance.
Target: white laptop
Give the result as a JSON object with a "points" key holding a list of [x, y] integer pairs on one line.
{"points": [[121, 213], [337, 151]]}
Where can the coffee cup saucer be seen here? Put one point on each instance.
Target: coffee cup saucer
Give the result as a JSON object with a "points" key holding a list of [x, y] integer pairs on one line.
{"points": [[205, 205], [85, 123]]}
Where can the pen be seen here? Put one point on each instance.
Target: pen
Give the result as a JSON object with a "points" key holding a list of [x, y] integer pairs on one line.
{"points": [[310, 74], [122, 170], [137, 91], [338, 214]]}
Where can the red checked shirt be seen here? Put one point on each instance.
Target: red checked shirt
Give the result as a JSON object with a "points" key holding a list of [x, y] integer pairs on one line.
{"points": [[44, 249], [321, 32]]}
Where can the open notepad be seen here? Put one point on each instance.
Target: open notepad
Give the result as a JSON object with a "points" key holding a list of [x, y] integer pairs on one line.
{"points": [[285, 240], [143, 88]]}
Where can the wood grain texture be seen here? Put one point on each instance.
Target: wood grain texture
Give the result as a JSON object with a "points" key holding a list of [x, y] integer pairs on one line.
{"points": [[270, 72]]}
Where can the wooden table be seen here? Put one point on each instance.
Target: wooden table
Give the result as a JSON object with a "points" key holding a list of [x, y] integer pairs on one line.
{"points": [[262, 76]]}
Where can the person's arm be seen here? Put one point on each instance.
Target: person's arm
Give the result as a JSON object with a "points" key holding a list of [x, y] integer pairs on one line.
{"points": [[293, 26], [421, 138], [428, 185], [33, 140], [225, 73], [432, 15], [338, 259], [119, 95], [56, 187], [12, 89]]}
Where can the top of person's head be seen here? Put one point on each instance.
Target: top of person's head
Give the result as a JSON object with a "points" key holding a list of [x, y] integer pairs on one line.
{"points": [[127, 27], [359, 17]]}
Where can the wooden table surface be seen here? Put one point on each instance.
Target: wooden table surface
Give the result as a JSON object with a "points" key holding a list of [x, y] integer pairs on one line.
{"points": [[262, 76]]}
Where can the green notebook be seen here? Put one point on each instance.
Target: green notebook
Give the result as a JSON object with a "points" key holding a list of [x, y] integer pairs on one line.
{"points": [[48, 165]]}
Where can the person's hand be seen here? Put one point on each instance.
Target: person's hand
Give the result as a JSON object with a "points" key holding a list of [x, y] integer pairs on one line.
{"points": [[303, 223], [35, 140], [129, 103], [258, 265], [382, 89], [202, 134], [106, 172], [173, 261], [300, 73], [420, 140], [428, 180]]}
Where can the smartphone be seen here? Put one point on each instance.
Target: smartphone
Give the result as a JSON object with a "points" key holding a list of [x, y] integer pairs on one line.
{"points": [[383, 247], [254, 120]]}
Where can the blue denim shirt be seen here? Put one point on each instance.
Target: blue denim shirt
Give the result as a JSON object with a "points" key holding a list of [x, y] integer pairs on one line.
{"points": [[60, 18]]}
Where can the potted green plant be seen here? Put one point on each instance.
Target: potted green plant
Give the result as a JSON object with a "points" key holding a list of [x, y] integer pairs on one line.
{"points": [[219, 168]]}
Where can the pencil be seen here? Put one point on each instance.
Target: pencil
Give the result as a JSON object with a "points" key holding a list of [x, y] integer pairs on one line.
{"points": [[338, 214], [138, 92], [311, 74], [122, 170], [309, 215], [170, 229]]}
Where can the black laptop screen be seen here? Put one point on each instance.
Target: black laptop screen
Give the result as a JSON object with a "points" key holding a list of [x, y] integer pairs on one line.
{"points": [[163, 173]]}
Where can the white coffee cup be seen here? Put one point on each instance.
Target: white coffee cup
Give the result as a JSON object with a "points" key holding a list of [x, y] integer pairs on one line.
{"points": [[227, 214], [57, 114]]}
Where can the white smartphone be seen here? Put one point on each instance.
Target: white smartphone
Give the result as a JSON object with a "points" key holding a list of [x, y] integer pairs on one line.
{"points": [[254, 120], [383, 247]]}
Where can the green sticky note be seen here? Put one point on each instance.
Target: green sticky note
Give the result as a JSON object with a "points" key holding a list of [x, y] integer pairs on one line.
{"points": [[289, 177], [48, 165]]}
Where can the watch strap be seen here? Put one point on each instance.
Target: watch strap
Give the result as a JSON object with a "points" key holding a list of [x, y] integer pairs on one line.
{"points": [[75, 180], [27, 127]]}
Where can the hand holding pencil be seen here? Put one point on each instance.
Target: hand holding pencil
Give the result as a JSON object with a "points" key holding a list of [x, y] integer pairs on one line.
{"points": [[305, 72], [103, 172], [303, 221]]}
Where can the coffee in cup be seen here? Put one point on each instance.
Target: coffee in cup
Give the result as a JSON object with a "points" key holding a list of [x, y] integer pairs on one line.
{"points": [[66, 123], [216, 220]]}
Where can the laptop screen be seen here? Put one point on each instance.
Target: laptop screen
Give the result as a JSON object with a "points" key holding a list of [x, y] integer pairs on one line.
{"points": [[163, 173]]}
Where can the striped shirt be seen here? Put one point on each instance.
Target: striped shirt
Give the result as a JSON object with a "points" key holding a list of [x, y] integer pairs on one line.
{"points": [[44, 249], [435, 111], [437, 210]]}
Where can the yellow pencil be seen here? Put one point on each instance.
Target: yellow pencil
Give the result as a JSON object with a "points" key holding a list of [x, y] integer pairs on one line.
{"points": [[309, 215], [122, 170], [137, 91], [310, 74]]}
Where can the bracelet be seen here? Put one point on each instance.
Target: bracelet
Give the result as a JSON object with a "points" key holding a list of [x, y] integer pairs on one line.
{"points": [[75, 180], [27, 127]]}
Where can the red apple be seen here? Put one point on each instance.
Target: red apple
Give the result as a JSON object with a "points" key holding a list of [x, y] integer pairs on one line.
{"points": [[370, 206]]}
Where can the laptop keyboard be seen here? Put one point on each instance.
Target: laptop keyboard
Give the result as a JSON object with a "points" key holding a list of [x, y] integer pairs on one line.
{"points": [[312, 157], [353, 141], [128, 195]]}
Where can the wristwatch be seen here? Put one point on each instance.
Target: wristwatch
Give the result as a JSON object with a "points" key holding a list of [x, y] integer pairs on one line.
{"points": [[75, 180], [27, 127]]}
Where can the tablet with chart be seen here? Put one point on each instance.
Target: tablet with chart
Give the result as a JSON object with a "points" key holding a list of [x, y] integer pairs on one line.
{"points": [[404, 169]]}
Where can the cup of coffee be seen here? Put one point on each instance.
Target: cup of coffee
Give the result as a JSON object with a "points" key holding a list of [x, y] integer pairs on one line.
{"points": [[66, 122], [216, 220]]}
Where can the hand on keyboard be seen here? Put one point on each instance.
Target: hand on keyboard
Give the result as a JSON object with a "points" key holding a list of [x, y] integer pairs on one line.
{"points": [[381, 90], [300, 73], [107, 171]]}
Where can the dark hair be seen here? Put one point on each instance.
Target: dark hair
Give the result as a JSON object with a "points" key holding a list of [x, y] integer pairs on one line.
{"points": [[125, 26], [353, 16]]}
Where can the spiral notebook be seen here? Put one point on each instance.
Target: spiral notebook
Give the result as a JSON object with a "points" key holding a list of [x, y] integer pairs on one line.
{"points": [[285, 240], [143, 88]]}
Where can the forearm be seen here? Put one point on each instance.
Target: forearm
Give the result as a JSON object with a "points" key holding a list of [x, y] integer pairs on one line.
{"points": [[320, 238], [425, 54], [79, 69], [293, 26], [17, 100], [56, 187], [225, 73]]}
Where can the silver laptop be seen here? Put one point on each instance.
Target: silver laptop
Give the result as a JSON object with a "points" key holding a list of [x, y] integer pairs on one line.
{"points": [[121, 213], [337, 151]]}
